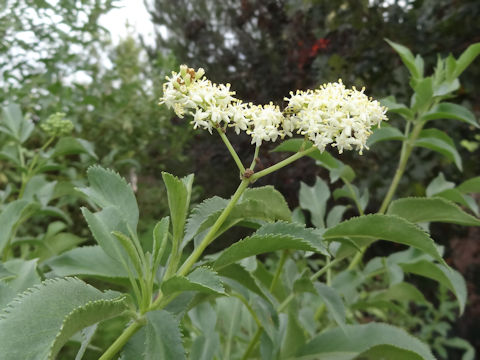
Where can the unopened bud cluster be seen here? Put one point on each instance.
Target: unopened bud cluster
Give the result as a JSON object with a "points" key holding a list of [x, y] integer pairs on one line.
{"points": [[56, 125], [331, 115]]}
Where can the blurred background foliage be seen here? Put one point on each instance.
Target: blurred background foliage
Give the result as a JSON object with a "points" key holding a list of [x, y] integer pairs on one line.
{"points": [[57, 58]]}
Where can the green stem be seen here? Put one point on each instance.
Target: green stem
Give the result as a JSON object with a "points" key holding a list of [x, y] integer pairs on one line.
{"points": [[195, 255], [122, 339], [231, 150], [407, 148], [282, 163], [406, 151], [283, 258], [255, 156], [252, 344], [26, 177]]}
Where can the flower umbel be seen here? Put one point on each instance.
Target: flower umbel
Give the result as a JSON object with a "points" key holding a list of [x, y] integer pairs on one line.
{"points": [[331, 114], [56, 125]]}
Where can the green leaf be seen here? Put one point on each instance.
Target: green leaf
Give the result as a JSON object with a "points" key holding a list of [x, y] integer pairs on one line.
{"points": [[238, 273], [392, 106], [462, 199], [440, 142], [72, 145], [385, 134], [466, 58], [262, 203], [438, 185], [102, 224], [12, 216], [458, 343], [15, 124], [314, 199], [423, 95], [356, 340], [470, 186], [205, 347], [54, 311], [89, 261], [407, 58], [446, 276], [364, 230], [163, 339], [312, 236], [335, 215], [160, 241], [333, 302], [25, 276], [201, 279], [259, 244], [200, 214], [324, 158], [447, 110], [87, 335], [178, 192], [400, 292], [108, 189], [418, 210], [5, 273]]}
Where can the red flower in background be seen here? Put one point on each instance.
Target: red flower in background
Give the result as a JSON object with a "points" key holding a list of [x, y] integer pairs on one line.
{"points": [[307, 53]]}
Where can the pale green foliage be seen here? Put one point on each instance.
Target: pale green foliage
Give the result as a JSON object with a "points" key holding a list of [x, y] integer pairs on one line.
{"points": [[60, 307], [311, 302]]}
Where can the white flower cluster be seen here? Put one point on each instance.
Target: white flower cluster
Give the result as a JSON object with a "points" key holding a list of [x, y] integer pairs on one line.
{"points": [[330, 115], [335, 115]]}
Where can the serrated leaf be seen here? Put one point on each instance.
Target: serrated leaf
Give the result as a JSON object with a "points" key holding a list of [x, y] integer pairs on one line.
{"points": [[259, 244], [200, 213], [238, 273], [462, 199], [385, 134], [447, 110], [364, 230], [201, 279], [314, 199], [102, 224], [11, 216], [73, 145], [312, 236], [163, 339], [355, 340], [263, 203], [333, 302], [90, 261], [54, 311], [419, 210], [109, 189], [440, 142], [470, 186], [448, 277], [178, 192], [269, 196]]}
